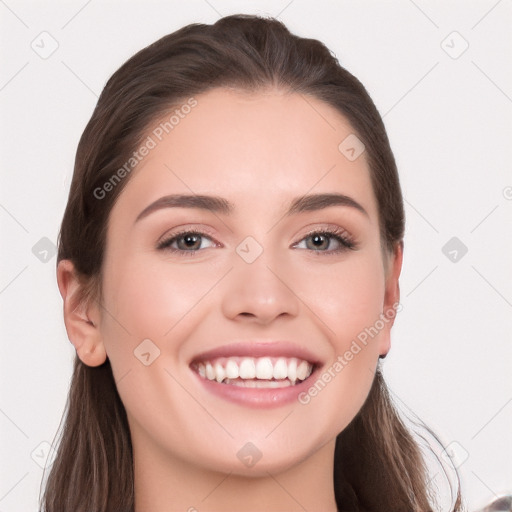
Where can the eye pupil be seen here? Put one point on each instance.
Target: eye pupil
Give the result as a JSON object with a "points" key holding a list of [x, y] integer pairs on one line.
{"points": [[190, 240], [319, 240]]}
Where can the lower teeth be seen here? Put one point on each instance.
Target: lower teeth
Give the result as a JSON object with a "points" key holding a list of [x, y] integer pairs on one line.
{"points": [[257, 383]]}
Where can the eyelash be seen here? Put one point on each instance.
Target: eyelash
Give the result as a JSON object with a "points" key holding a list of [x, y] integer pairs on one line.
{"points": [[340, 235]]}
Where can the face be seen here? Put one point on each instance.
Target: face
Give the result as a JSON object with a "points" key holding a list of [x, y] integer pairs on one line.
{"points": [[288, 301]]}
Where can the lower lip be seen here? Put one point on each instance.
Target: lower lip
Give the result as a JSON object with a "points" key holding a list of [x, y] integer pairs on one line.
{"points": [[258, 398]]}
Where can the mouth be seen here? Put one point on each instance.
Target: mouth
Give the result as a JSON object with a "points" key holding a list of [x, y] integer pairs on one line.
{"points": [[251, 372], [256, 374]]}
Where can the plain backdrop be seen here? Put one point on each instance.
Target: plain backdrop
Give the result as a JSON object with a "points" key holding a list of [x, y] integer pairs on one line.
{"points": [[439, 73]]}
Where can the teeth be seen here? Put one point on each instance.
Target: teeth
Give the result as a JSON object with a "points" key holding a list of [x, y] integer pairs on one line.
{"points": [[232, 371], [264, 369], [280, 369], [220, 373], [210, 372], [292, 370], [247, 369], [256, 372], [303, 370], [254, 383]]}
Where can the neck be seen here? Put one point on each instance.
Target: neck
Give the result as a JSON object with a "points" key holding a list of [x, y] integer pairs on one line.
{"points": [[164, 484]]}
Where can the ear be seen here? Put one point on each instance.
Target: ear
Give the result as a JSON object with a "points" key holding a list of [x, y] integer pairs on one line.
{"points": [[391, 296], [81, 320]]}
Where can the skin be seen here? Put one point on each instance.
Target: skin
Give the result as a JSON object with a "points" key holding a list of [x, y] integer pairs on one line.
{"points": [[259, 151]]}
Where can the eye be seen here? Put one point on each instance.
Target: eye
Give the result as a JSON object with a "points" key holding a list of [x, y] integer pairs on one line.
{"points": [[322, 241], [185, 243], [188, 242]]}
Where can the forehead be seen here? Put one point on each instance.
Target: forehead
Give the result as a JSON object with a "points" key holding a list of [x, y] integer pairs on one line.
{"points": [[250, 147]]}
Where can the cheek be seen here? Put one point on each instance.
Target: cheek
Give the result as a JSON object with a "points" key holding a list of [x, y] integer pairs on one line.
{"points": [[349, 303], [348, 296], [151, 298]]}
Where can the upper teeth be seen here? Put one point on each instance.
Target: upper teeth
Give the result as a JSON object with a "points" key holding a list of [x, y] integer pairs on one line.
{"points": [[264, 368]]}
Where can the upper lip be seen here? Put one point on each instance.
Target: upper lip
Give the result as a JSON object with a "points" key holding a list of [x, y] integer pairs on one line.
{"points": [[252, 348]]}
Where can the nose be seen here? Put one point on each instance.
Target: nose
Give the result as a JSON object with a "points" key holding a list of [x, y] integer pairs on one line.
{"points": [[259, 292]]}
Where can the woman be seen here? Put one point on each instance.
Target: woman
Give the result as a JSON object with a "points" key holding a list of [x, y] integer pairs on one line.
{"points": [[229, 261]]}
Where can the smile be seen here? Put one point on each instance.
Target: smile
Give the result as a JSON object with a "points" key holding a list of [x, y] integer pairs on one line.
{"points": [[257, 373], [252, 372]]}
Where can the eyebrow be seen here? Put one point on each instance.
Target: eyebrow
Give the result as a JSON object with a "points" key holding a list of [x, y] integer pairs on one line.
{"points": [[220, 205]]}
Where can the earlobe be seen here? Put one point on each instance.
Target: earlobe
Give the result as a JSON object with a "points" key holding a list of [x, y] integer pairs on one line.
{"points": [[81, 319]]}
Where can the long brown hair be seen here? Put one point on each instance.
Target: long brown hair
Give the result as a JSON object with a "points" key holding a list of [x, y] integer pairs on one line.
{"points": [[378, 464]]}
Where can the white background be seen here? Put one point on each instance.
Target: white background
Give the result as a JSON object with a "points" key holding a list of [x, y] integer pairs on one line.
{"points": [[449, 122]]}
